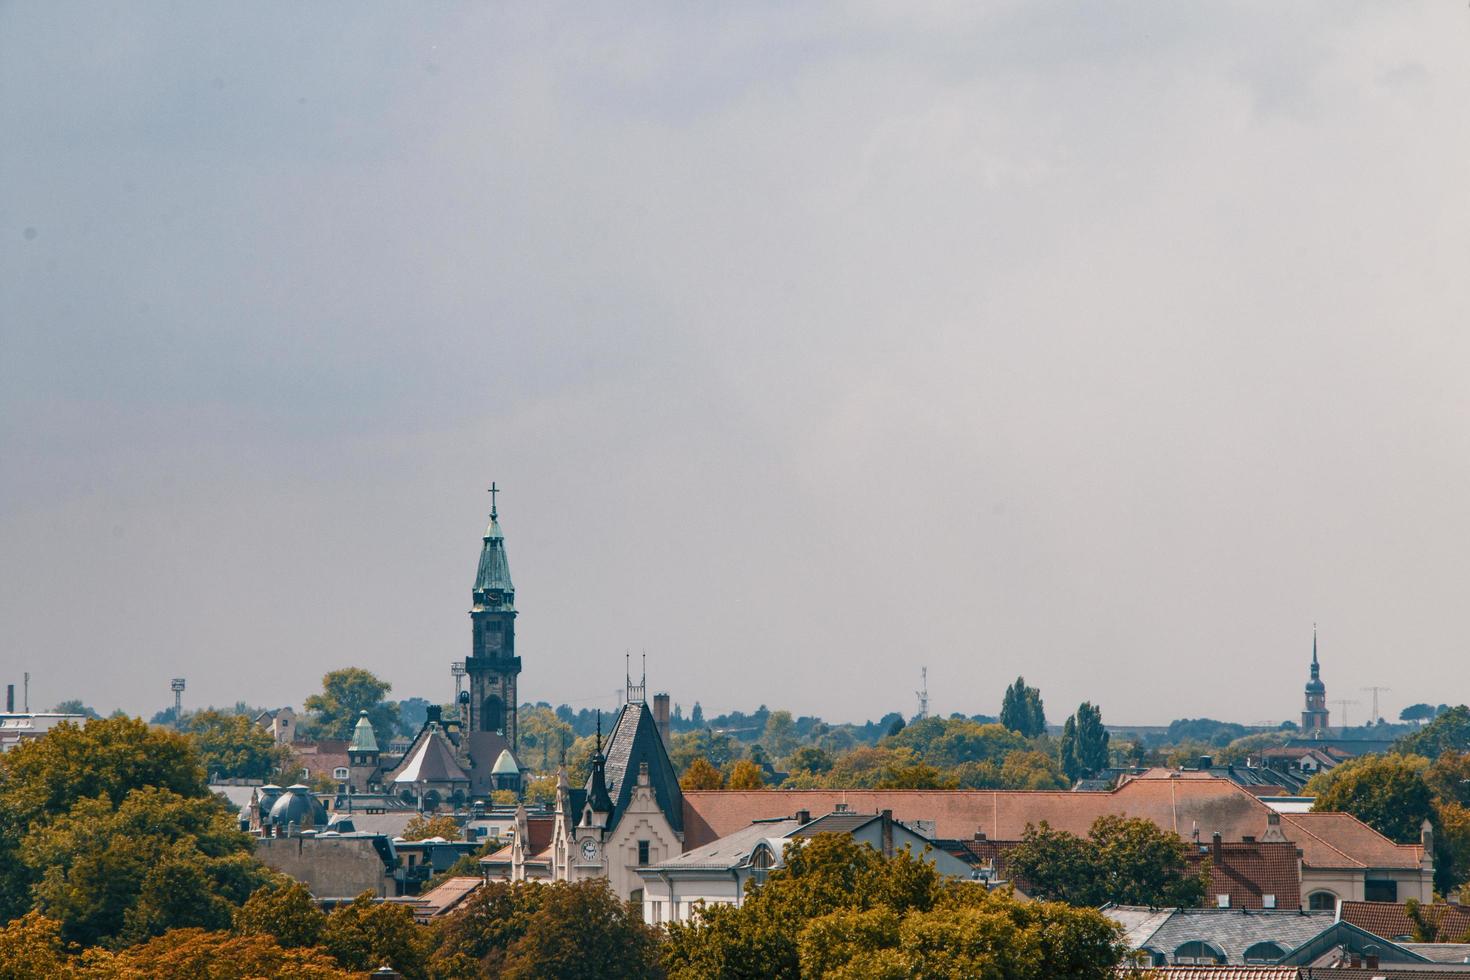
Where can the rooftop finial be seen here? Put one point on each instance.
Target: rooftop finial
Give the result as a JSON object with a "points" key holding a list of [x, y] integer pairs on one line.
{"points": [[599, 733], [493, 491], [1314, 644]]}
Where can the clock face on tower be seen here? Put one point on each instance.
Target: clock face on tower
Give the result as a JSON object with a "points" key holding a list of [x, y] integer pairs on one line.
{"points": [[589, 850]]}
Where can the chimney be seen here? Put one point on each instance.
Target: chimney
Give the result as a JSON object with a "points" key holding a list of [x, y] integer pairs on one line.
{"points": [[887, 833], [432, 713], [10, 699], [1215, 843], [979, 835], [803, 817], [661, 717], [1206, 762]]}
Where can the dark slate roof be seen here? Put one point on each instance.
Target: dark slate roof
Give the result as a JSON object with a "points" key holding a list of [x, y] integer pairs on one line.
{"points": [[483, 748], [1233, 931], [835, 823], [494, 571], [635, 740]]}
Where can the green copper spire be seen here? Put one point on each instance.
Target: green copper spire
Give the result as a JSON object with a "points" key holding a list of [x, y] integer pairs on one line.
{"points": [[493, 587], [363, 738]]}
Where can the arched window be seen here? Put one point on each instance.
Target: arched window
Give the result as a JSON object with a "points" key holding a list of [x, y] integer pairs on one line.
{"points": [[340, 772], [492, 716], [1322, 902], [761, 861], [1265, 953], [1198, 953]]}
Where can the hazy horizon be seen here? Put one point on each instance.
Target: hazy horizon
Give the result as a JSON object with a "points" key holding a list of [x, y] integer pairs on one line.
{"points": [[1112, 346]]}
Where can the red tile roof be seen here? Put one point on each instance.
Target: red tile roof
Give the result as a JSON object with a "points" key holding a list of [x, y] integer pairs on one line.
{"points": [[1186, 806], [1390, 920], [1222, 973]]}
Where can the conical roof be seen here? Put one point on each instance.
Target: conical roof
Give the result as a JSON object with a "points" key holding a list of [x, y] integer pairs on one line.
{"points": [[363, 737], [493, 575], [505, 765]]}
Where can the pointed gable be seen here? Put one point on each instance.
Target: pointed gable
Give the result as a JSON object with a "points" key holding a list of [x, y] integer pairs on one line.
{"points": [[635, 740], [429, 760]]}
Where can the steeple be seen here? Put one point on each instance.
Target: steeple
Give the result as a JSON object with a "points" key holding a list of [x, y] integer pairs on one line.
{"points": [[364, 739], [598, 800], [493, 587]]}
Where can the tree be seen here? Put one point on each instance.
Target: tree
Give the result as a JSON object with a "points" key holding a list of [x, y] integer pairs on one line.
{"points": [[1449, 777], [840, 909], [745, 775], [581, 931], [424, 826], [31, 946], [720, 749], [544, 737], [283, 909], [1067, 755], [188, 954], [365, 934], [701, 775], [1031, 770], [345, 694], [1127, 860], [233, 745], [1021, 710], [810, 759], [159, 861], [1387, 792], [1092, 738], [76, 707], [696, 717], [42, 779], [1417, 713], [780, 733], [1448, 732], [895, 726]]}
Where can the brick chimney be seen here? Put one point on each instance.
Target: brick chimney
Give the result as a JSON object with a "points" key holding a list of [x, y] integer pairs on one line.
{"points": [[9, 699], [803, 817], [887, 833], [661, 717]]}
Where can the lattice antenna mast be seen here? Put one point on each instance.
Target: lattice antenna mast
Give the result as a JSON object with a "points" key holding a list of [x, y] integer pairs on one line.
{"points": [[1376, 691], [923, 693], [1342, 704]]}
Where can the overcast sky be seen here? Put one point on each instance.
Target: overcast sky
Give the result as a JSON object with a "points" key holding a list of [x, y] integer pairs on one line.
{"points": [[1111, 344]]}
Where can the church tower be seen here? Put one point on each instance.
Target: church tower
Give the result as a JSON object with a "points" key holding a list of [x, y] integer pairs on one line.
{"points": [[493, 666], [1314, 719]]}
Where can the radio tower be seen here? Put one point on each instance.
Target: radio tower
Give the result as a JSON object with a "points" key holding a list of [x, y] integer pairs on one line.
{"points": [[923, 693], [1376, 691]]}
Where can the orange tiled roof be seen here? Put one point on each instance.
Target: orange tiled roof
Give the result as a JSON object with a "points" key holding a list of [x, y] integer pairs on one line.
{"points": [[1222, 973], [1186, 806], [1390, 920]]}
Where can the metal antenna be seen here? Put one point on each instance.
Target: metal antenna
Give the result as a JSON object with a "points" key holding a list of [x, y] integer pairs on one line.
{"points": [[177, 686], [923, 693], [1376, 691], [1342, 704]]}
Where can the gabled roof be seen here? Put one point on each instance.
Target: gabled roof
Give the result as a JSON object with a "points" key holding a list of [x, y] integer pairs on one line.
{"points": [[732, 851], [1231, 931], [429, 760], [635, 740]]}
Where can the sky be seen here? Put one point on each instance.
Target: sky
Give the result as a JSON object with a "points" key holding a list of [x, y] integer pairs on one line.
{"points": [[1112, 345]]}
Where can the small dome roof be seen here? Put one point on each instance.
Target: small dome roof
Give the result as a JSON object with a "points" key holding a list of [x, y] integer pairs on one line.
{"points": [[1315, 686], [298, 806], [505, 765]]}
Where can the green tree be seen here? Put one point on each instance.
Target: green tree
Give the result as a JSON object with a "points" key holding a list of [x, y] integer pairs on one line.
{"points": [[1448, 732], [780, 733], [1127, 860], [1092, 738], [76, 707], [1387, 792], [44, 778], [345, 694], [159, 861], [809, 758], [1067, 751], [543, 737], [581, 931], [283, 909], [1021, 710], [701, 775], [1449, 777], [365, 934], [839, 909], [232, 745], [1031, 770], [1417, 713]]}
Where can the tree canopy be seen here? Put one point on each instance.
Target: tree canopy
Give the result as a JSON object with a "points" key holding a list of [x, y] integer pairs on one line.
{"points": [[345, 694], [1127, 860], [1021, 710]]}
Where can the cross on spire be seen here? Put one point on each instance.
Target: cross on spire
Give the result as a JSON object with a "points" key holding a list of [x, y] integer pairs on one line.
{"points": [[493, 491]]}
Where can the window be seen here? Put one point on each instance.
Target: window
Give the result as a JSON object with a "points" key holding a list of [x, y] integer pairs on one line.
{"points": [[492, 718], [1198, 953], [1268, 901], [1265, 953], [636, 897], [643, 852], [1222, 901], [1322, 902], [1380, 891], [340, 772]]}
